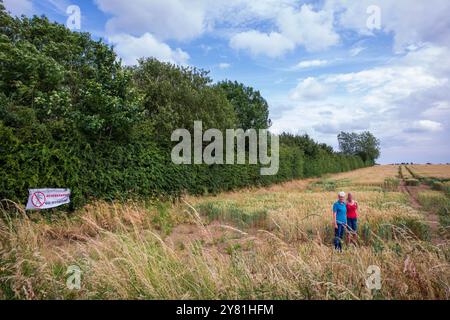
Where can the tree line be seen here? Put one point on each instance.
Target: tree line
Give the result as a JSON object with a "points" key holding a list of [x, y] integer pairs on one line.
{"points": [[71, 115]]}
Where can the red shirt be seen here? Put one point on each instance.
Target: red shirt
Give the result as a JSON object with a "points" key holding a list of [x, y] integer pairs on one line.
{"points": [[352, 210]]}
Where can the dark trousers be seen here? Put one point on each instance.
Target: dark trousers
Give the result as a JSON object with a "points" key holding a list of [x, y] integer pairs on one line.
{"points": [[339, 236]]}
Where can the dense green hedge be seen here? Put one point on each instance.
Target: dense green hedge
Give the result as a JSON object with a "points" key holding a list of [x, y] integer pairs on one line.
{"points": [[72, 116], [124, 171]]}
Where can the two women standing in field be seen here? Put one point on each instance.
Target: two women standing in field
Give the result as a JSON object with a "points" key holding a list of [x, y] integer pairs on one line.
{"points": [[345, 217]]}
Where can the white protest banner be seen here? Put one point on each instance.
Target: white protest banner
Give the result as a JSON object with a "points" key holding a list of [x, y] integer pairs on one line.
{"points": [[39, 199]]}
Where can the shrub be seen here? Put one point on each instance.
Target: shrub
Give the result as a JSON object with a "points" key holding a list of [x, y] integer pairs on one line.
{"points": [[437, 185], [412, 182]]}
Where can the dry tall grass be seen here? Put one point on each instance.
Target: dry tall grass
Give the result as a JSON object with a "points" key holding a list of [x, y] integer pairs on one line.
{"points": [[267, 244]]}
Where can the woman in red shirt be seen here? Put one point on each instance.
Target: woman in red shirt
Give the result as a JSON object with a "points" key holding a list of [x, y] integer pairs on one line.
{"points": [[352, 218]]}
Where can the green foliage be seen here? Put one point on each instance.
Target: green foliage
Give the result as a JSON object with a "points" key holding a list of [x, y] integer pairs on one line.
{"points": [[324, 185], [447, 189], [72, 116], [320, 158], [432, 200], [365, 145], [233, 213], [419, 228], [163, 220], [412, 182], [437, 185], [252, 110], [174, 97], [444, 218]]}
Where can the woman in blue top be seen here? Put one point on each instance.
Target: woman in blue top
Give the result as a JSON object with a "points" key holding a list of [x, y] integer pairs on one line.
{"points": [[339, 220]]}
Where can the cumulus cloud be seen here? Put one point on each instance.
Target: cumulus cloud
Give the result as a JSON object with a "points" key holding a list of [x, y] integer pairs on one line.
{"points": [[165, 19], [305, 27], [318, 27], [131, 48], [287, 24], [184, 21], [410, 22], [404, 102], [273, 44], [18, 7], [309, 89]]}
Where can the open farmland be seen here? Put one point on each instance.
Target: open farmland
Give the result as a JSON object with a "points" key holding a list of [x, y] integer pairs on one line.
{"points": [[406, 174], [268, 243], [368, 176], [431, 171]]}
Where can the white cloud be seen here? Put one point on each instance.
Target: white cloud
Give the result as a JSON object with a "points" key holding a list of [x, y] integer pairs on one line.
{"points": [[404, 102], [287, 24], [18, 7], [356, 51], [130, 49], [310, 64], [309, 89], [272, 45], [410, 23], [224, 65], [422, 126], [439, 110], [309, 28], [183, 21], [165, 19], [383, 87], [305, 27]]}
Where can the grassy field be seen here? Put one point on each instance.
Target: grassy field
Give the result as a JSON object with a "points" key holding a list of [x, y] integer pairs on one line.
{"points": [[269, 243], [431, 171], [369, 176], [406, 174]]}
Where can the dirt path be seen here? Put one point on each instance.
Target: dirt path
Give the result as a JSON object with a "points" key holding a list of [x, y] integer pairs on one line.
{"points": [[431, 218]]}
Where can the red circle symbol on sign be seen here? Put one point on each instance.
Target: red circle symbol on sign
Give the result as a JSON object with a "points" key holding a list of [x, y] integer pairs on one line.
{"points": [[38, 199]]}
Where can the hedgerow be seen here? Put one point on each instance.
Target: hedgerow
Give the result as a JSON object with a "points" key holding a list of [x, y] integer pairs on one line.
{"points": [[72, 116]]}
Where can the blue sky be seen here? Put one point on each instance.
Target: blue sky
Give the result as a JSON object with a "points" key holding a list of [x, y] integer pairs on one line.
{"points": [[324, 66]]}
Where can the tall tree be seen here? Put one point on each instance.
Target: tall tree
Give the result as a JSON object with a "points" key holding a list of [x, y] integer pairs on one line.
{"points": [[365, 145], [173, 97], [251, 108]]}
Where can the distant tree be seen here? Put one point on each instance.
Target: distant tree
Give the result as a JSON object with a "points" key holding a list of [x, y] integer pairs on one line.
{"points": [[252, 110], [365, 145]]}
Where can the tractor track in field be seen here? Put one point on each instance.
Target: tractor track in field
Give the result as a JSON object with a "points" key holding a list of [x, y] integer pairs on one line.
{"points": [[431, 218]]}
